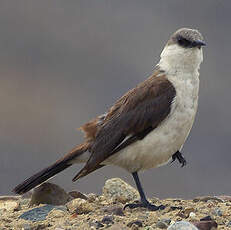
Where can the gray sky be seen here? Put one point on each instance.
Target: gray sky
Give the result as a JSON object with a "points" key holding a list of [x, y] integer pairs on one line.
{"points": [[64, 62]]}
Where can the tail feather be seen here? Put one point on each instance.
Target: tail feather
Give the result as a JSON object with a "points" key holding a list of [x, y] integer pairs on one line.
{"points": [[50, 171]]}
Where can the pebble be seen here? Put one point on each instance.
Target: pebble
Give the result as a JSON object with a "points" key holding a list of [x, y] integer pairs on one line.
{"points": [[185, 213], [56, 213], [228, 224], [206, 225], [107, 220], [48, 193], [206, 218], [207, 198], [38, 214], [135, 222], [96, 224], [26, 227], [182, 225], [91, 197], [9, 205], [77, 194], [119, 190], [217, 212], [192, 215], [79, 206], [116, 210], [163, 224]]}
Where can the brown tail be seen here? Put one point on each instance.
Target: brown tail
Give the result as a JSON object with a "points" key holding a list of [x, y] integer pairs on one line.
{"points": [[50, 171]]}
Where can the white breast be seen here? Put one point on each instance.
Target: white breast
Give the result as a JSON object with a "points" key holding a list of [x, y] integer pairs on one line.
{"points": [[159, 145]]}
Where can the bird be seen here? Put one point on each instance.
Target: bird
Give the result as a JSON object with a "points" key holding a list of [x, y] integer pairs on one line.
{"points": [[147, 126]]}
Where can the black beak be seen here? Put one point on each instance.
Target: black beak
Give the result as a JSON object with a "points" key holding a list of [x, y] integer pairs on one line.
{"points": [[199, 43]]}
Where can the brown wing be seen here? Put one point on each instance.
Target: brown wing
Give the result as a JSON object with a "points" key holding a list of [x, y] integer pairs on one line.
{"points": [[138, 112]]}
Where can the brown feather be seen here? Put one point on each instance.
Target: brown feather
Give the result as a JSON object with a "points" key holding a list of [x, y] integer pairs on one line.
{"points": [[137, 113]]}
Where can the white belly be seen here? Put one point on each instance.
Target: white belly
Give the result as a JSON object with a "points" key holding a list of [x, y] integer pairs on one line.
{"points": [[159, 145]]}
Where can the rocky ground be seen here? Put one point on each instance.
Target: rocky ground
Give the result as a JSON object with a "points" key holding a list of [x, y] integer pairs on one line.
{"points": [[50, 207]]}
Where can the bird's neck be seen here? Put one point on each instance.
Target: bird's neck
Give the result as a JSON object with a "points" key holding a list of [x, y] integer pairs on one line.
{"points": [[175, 60]]}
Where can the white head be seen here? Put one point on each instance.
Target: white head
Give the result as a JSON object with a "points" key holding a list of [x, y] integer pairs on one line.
{"points": [[183, 51]]}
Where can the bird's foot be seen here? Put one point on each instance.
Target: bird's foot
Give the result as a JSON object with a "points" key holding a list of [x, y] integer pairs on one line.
{"points": [[146, 204], [178, 155]]}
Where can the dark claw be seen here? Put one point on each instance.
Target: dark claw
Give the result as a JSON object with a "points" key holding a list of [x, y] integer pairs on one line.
{"points": [[178, 155], [150, 207]]}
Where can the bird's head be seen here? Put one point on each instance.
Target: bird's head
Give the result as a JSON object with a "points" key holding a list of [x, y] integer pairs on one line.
{"points": [[183, 50]]}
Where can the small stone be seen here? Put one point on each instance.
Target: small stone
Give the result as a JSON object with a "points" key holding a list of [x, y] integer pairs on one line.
{"points": [[26, 227], [228, 224], [185, 213], [96, 224], [115, 210], [224, 198], [24, 201], [163, 224], [119, 190], [182, 225], [56, 213], [207, 198], [206, 225], [138, 223], [192, 215], [217, 212], [107, 220], [77, 194], [37, 214], [91, 197], [48, 193], [206, 218], [79, 206], [9, 204], [116, 227], [173, 208]]}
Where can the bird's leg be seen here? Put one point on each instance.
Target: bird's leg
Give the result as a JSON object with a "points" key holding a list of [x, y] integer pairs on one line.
{"points": [[178, 155], [144, 203]]}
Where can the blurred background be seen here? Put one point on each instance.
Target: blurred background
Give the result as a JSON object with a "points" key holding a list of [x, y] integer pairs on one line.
{"points": [[65, 62]]}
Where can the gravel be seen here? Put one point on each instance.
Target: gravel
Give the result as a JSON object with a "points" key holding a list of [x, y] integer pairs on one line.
{"points": [[105, 211]]}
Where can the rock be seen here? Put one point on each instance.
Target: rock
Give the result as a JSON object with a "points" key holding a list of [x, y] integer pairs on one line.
{"points": [[91, 197], [182, 225], [228, 224], [9, 204], [48, 193], [206, 225], [24, 201], [192, 215], [26, 227], [107, 220], [77, 194], [224, 198], [173, 208], [115, 210], [207, 198], [217, 212], [96, 224], [37, 214], [119, 190], [79, 206], [185, 213], [206, 218], [138, 223], [117, 227], [56, 213], [164, 223]]}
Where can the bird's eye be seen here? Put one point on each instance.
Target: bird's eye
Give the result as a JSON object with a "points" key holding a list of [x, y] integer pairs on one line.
{"points": [[184, 42]]}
